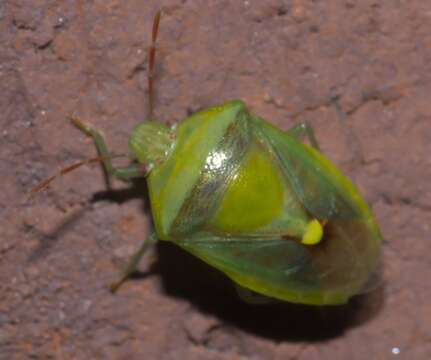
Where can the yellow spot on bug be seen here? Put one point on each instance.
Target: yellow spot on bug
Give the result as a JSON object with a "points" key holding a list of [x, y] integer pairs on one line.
{"points": [[313, 233]]}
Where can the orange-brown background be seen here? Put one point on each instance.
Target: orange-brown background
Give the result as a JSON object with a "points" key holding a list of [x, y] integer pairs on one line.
{"points": [[59, 250]]}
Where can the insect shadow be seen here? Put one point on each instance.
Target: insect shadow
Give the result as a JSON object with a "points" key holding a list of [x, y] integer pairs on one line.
{"points": [[211, 292], [47, 241], [184, 276]]}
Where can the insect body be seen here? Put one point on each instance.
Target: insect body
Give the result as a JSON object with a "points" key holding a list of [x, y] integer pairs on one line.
{"points": [[253, 201]]}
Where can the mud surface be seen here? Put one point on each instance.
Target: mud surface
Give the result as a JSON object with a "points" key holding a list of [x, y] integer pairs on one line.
{"points": [[286, 59]]}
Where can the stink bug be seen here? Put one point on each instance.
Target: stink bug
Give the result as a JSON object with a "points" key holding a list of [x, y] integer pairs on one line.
{"points": [[269, 211]]}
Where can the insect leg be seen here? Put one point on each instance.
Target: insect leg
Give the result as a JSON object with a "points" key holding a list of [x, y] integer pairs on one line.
{"points": [[354, 142], [133, 263], [304, 129], [124, 173]]}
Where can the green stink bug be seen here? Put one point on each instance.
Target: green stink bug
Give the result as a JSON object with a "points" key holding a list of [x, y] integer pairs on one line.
{"points": [[269, 211]]}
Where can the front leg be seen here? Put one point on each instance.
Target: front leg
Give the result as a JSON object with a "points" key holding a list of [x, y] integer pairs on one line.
{"points": [[123, 173]]}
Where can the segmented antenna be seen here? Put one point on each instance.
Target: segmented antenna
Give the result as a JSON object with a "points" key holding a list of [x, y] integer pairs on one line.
{"points": [[151, 61], [45, 183]]}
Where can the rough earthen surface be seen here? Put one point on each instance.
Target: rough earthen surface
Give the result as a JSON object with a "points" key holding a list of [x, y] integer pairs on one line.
{"points": [[286, 59]]}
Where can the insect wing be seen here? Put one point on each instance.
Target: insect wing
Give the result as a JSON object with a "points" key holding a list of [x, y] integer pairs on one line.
{"points": [[278, 268], [350, 248]]}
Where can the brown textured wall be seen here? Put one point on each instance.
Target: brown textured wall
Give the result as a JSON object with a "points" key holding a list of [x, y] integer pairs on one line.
{"points": [[286, 59]]}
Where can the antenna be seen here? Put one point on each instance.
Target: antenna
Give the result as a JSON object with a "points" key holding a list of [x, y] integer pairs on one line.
{"points": [[151, 62], [45, 183]]}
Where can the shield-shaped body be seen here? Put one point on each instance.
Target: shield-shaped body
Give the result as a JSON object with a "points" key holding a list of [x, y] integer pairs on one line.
{"points": [[269, 211]]}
